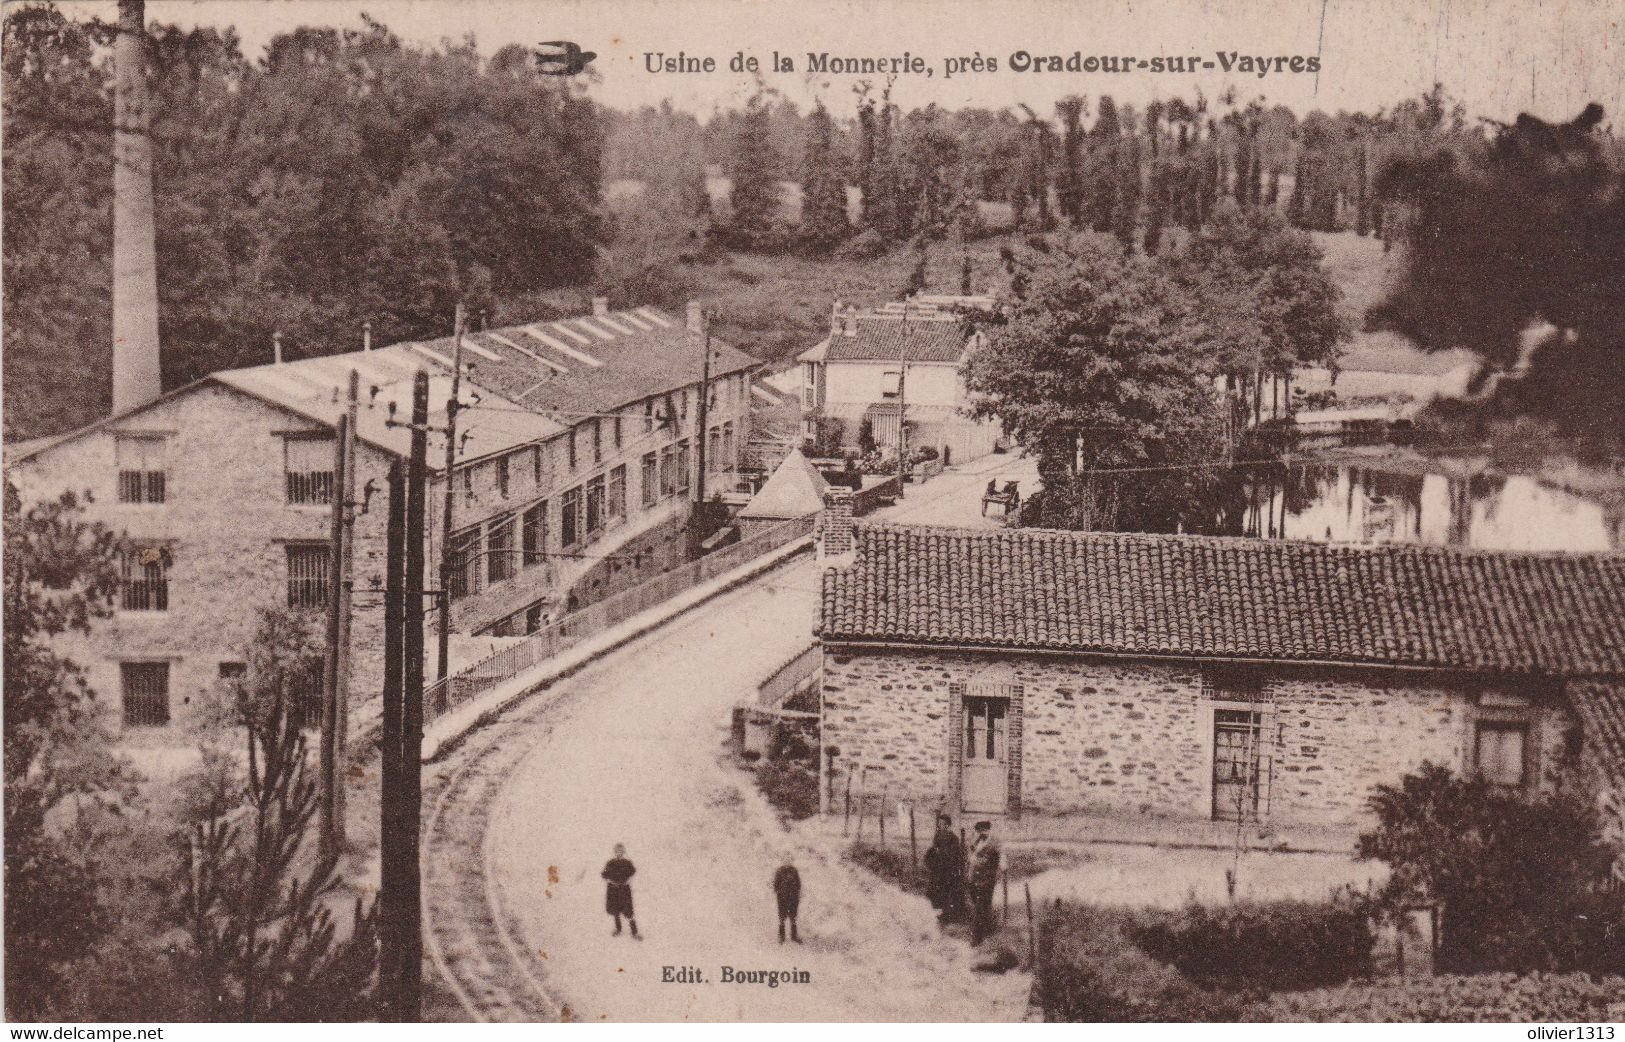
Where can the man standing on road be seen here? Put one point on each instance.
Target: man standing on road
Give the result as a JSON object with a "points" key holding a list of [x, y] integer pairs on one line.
{"points": [[617, 873], [984, 856], [945, 864], [787, 888]]}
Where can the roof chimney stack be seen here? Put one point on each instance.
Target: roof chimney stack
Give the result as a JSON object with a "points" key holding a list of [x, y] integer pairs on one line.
{"points": [[696, 317], [849, 320], [366, 336], [276, 347], [835, 318], [600, 305]]}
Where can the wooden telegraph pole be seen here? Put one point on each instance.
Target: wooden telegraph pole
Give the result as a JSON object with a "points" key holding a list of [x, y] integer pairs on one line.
{"points": [[390, 916], [401, 908], [902, 405], [332, 838], [411, 905], [452, 405]]}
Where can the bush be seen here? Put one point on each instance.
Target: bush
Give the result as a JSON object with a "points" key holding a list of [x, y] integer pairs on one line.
{"points": [[1512, 877], [790, 785], [866, 245], [892, 865], [1275, 946], [1090, 971], [1492, 998]]}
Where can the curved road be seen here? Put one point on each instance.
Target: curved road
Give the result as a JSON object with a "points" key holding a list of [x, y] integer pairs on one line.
{"points": [[633, 750]]}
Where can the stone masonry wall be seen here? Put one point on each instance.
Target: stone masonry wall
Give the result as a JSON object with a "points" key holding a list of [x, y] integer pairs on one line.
{"points": [[1122, 737]]}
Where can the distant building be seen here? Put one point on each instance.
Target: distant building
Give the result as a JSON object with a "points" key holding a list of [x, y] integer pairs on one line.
{"points": [[1185, 680], [898, 358], [576, 468]]}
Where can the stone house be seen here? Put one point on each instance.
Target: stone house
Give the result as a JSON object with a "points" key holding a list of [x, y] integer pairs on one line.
{"points": [[874, 364], [575, 470], [1179, 680]]}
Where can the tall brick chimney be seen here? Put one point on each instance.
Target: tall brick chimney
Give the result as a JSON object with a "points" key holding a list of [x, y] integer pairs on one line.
{"points": [[835, 523], [135, 264]]}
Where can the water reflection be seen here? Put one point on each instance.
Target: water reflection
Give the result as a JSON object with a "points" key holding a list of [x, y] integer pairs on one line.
{"points": [[1360, 504]]}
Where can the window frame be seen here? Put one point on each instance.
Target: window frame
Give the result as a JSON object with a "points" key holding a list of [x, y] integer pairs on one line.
{"points": [[150, 487], [151, 586], [502, 476], [308, 488], [299, 587], [570, 528], [615, 496], [463, 549], [533, 534], [649, 474], [127, 672], [501, 563], [1525, 732]]}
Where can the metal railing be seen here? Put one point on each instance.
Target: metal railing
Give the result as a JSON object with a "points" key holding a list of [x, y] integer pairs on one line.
{"points": [[595, 618]]}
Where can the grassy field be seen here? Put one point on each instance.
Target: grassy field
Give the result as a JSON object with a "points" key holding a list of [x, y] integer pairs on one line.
{"points": [[778, 306]]}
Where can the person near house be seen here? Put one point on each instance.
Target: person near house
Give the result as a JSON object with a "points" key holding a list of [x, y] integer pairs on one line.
{"points": [[945, 865], [984, 859], [787, 888], [617, 874]]}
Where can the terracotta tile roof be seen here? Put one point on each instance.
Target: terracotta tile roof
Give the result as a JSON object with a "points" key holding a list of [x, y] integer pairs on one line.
{"points": [[1188, 596], [1602, 713], [881, 338]]}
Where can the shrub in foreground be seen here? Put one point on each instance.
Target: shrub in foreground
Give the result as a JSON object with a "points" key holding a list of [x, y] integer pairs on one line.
{"points": [[1269, 946]]}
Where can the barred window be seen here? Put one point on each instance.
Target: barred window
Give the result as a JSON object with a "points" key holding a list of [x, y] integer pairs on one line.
{"points": [[144, 579], [308, 460], [533, 534], [140, 468], [651, 479], [146, 693], [615, 505], [307, 576], [617, 432], [536, 464], [684, 464], [499, 550], [464, 553], [595, 505], [570, 517]]}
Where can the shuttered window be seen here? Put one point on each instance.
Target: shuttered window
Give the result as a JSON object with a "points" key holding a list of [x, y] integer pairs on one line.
{"points": [[465, 562], [145, 693], [1500, 752], [140, 463], [309, 467], [615, 503], [533, 534], [307, 576], [570, 517], [651, 479], [144, 578], [500, 561]]}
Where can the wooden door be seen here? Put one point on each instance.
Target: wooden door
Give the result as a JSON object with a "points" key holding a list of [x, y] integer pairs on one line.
{"points": [[986, 777]]}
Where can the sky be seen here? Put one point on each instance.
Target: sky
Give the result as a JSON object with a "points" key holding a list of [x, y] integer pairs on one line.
{"points": [[1500, 57]]}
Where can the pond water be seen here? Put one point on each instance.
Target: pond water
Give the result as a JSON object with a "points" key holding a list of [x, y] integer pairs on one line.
{"points": [[1345, 503]]}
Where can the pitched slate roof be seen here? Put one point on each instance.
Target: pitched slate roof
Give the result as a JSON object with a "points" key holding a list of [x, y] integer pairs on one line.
{"points": [[593, 363], [1204, 597], [882, 338], [794, 489]]}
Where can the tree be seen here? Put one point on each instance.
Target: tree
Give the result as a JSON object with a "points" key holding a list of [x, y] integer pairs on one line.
{"points": [[1528, 230], [59, 579], [1511, 876], [755, 181], [1099, 368], [263, 945], [823, 183]]}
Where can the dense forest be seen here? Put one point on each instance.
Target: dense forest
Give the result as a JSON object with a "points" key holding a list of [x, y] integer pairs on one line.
{"points": [[349, 176]]}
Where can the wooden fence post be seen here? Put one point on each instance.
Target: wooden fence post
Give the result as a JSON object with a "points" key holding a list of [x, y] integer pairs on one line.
{"points": [[1032, 951], [913, 850]]}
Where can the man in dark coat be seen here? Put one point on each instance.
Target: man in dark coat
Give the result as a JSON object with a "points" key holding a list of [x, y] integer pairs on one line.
{"points": [[617, 874], [787, 888], [984, 857], [945, 865]]}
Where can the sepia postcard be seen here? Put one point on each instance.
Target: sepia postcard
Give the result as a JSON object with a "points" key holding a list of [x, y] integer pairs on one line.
{"points": [[770, 511]]}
